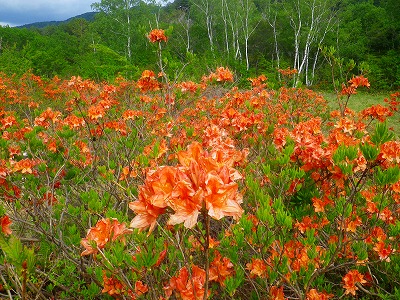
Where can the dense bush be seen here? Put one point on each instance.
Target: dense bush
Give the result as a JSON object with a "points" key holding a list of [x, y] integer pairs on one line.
{"points": [[251, 194]]}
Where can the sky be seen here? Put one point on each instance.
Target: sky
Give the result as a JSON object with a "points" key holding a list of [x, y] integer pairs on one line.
{"points": [[20, 12]]}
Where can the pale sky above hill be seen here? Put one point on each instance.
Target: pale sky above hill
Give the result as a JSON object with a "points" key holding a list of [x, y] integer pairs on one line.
{"points": [[20, 12]]}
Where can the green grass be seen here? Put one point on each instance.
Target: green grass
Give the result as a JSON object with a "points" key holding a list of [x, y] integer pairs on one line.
{"points": [[361, 100]]}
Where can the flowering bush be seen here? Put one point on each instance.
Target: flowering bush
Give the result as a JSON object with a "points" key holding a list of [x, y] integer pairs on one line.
{"points": [[257, 194]]}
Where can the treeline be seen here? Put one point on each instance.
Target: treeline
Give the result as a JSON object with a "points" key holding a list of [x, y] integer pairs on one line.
{"points": [[327, 41]]}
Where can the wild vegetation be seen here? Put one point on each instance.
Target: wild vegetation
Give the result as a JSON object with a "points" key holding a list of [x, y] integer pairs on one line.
{"points": [[251, 37], [194, 162], [159, 189]]}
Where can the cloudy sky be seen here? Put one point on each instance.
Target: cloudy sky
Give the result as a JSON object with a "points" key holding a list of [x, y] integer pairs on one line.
{"points": [[19, 12]]}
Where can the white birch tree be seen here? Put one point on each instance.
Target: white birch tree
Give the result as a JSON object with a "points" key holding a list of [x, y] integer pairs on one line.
{"points": [[309, 21], [120, 12], [206, 7]]}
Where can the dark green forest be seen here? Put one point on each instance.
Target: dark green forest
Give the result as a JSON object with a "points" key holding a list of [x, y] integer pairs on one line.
{"points": [[327, 41]]}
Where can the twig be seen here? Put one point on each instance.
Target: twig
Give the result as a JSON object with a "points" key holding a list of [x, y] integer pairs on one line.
{"points": [[5, 284]]}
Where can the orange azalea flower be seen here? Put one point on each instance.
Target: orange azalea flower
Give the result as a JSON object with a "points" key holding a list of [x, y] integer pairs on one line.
{"points": [[391, 151], [351, 279], [396, 187], [128, 172], [346, 125], [383, 252], [313, 294], [222, 199], [348, 90], [220, 268], [153, 196], [212, 243], [288, 71], [319, 204], [148, 82], [353, 224], [131, 114], [280, 134], [24, 166], [162, 256], [146, 99], [52, 146], [5, 225], [96, 112], [378, 112], [221, 75], [189, 287], [157, 35], [387, 216], [146, 214], [141, 288], [201, 177], [74, 122], [188, 86], [98, 236], [8, 122], [257, 267], [224, 74], [118, 230], [377, 233], [372, 208], [186, 203], [306, 223], [14, 150], [112, 286], [357, 81], [277, 293], [49, 198], [257, 81], [118, 126]]}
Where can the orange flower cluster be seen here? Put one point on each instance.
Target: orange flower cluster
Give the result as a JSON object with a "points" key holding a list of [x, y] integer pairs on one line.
{"points": [[308, 143], [74, 122], [313, 294], [221, 75], [202, 179], [357, 81], [188, 287], [378, 112], [148, 82], [257, 267], [112, 286], [5, 225], [354, 83], [288, 72], [351, 279], [116, 288], [381, 242], [277, 293], [8, 121], [106, 230], [25, 166], [258, 81], [296, 255], [390, 151], [188, 86], [220, 268], [46, 116], [157, 35]]}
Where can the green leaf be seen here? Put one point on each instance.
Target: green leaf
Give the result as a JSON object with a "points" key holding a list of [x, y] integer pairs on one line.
{"points": [[233, 282], [370, 152], [381, 134], [388, 176]]}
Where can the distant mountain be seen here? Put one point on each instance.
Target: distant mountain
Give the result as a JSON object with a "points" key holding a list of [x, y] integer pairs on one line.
{"points": [[89, 16]]}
